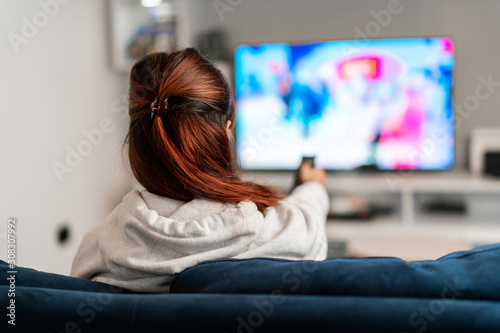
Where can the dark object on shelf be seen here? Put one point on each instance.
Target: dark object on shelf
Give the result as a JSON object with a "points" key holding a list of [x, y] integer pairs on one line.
{"points": [[362, 215], [446, 206], [492, 163], [365, 214], [381, 209]]}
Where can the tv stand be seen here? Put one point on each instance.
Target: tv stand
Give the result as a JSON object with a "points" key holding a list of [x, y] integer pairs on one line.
{"points": [[403, 189]]}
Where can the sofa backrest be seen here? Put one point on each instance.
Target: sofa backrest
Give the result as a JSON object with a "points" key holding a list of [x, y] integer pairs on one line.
{"points": [[473, 274]]}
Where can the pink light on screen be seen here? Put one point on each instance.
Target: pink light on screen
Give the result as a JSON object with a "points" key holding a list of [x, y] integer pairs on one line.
{"points": [[374, 65], [275, 67], [405, 131], [368, 66], [448, 47]]}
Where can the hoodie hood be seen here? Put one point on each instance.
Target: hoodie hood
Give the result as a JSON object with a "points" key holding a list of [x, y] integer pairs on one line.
{"points": [[148, 239]]}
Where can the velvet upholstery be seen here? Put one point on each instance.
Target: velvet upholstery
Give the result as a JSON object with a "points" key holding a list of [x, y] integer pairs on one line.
{"points": [[473, 274], [456, 293], [28, 277], [50, 310]]}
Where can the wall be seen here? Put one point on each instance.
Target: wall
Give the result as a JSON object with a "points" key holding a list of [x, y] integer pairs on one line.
{"points": [[473, 25], [56, 86]]}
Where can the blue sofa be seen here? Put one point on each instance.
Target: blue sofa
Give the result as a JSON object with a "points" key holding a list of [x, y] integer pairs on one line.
{"points": [[459, 292]]}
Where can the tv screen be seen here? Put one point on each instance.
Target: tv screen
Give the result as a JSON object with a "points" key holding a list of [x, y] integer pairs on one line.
{"points": [[384, 104]]}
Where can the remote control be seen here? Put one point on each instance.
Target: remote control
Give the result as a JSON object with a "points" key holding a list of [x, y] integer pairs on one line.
{"points": [[305, 160]]}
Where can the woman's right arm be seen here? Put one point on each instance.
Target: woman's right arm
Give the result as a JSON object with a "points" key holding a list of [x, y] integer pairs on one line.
{"points": [[311, 204]]}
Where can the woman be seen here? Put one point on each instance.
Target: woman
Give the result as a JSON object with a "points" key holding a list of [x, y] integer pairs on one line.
{"points": [[194, 207]]}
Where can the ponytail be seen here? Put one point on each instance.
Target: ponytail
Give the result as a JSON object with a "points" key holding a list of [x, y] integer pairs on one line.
{"points": [[179, 105]]}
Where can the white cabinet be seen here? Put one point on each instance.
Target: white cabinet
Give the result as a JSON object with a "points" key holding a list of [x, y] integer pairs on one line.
{"points": [[480, 225]]}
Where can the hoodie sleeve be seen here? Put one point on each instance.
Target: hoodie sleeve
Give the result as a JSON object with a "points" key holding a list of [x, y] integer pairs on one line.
{"points": [[311, 199], [296, 228], [311, 196]]}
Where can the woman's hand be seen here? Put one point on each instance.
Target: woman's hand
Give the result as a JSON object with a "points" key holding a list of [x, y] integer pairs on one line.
{"points": [[307, 173]]}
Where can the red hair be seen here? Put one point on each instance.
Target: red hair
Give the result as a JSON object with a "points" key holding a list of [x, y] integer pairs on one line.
{"points": [[184, 152]]}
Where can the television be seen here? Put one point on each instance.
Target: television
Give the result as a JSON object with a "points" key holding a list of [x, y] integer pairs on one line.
{"points": [[383, 104]]}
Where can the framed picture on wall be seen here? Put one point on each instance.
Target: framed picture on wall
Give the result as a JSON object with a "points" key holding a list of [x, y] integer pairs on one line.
{"points": [[139, 27]]}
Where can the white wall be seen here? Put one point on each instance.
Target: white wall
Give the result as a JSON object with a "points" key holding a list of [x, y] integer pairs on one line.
{"points": [[473, 25], [58, 85]]}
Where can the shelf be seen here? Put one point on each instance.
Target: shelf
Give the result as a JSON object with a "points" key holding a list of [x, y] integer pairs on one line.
{"points": [[391, 182], [402, 188], [462, 230]]}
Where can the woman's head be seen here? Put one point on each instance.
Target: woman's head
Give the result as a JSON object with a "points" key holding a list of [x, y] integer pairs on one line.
{"points": [[183, 150]]}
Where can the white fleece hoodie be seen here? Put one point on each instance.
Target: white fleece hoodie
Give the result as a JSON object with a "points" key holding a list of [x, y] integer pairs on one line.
{"points": [[148, 239]]}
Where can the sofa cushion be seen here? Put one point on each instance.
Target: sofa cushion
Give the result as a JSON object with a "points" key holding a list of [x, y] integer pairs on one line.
{"points": [[28, 277], [50, 310], [473, 274]]}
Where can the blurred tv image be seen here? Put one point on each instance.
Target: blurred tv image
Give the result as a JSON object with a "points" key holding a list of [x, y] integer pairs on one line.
{"points": [[384, 104]]}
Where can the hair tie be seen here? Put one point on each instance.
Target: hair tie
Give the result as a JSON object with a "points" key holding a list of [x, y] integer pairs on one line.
{"points": [[154, 107]]}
